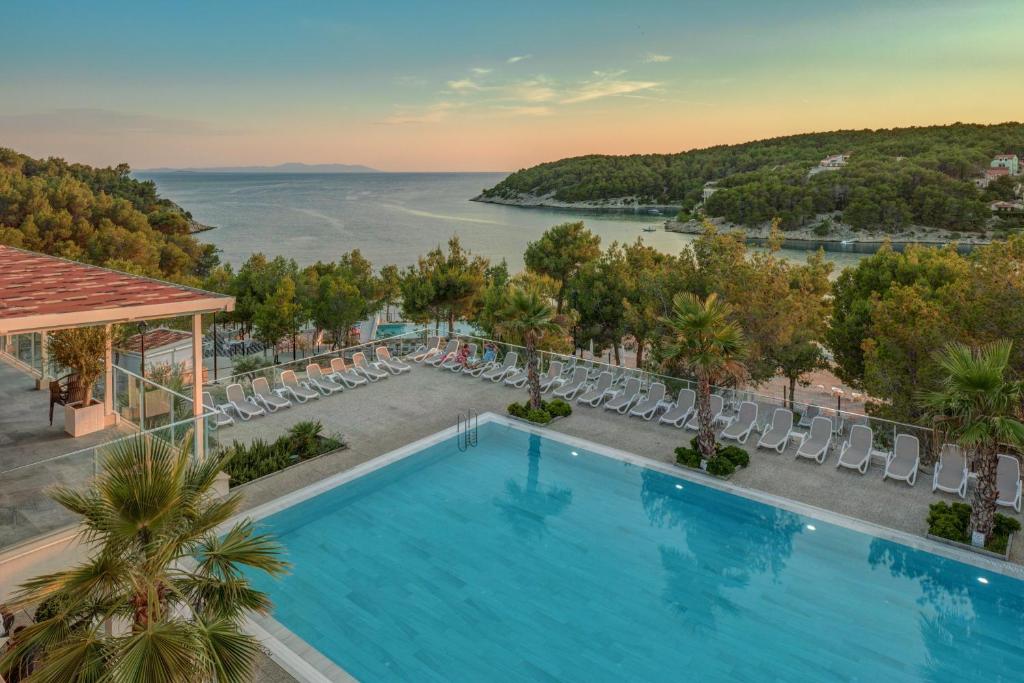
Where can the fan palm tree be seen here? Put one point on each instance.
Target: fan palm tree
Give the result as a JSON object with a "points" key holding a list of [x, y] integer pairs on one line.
{"points": [[709, 346], [525, 318], [979, 408], [163, 596]]}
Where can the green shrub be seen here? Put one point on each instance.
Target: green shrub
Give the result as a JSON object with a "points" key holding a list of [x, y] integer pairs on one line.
{"points": [[259, 458], [953, 520], [689, 457], [721, 467], [734, 454], [548, 411], [559, 408], [822, 229]]}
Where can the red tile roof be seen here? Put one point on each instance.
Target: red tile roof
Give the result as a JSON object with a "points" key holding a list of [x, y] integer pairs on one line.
{"points": [[998, 170], [40, 292], [155, 339]]}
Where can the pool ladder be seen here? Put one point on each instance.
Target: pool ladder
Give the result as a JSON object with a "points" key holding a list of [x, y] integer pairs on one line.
{"points": [[466, 430]]}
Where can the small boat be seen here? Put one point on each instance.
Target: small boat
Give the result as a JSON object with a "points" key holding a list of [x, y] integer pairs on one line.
{"points": [[650, 229], [847, 242]]}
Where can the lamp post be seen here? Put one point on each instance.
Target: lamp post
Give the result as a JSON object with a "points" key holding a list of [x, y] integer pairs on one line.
{"points": [[142, 348]]}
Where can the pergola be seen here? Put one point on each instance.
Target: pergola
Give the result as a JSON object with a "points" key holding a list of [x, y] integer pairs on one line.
{"points": [[40, 293]]}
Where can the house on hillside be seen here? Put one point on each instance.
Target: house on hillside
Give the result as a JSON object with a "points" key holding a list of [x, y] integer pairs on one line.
{"points": [[989, 175], [1008, 161], [710, 188], [1007, 207], [835, 160]]}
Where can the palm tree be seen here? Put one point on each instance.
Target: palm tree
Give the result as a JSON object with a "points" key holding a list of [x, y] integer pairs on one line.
{"points": [[979, 408], [525, 318], [708, 346], [163, 596]]}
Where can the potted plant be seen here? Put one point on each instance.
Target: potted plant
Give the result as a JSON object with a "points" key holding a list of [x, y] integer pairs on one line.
{"points": [[81, 350]]}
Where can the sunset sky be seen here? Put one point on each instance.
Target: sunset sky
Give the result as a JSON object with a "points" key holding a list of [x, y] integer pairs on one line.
{"points": [[478, 86]]}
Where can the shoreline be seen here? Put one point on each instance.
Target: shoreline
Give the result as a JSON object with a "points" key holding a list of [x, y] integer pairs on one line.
{"points": [[842, 235], [618, 205]]}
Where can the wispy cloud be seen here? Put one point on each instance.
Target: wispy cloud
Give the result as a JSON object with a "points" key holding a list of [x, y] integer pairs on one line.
{"points": [[537, 89], [517, 58], [433, 113], [652, 58], [479, 71], [463, 85], [607, 84]]}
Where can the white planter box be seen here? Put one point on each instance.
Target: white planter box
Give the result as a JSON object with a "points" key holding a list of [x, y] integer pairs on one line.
{"points": [[81, 420]]}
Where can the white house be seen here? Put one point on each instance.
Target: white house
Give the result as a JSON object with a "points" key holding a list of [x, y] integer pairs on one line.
{"points": [[164, 346]]}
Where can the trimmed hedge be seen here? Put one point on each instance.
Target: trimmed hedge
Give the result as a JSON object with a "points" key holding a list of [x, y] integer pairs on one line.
{"points": [[952, 521], [548, 411], [259, 458]]}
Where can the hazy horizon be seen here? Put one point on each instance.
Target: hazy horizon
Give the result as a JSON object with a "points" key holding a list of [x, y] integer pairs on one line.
{"points": [[408, 87]]}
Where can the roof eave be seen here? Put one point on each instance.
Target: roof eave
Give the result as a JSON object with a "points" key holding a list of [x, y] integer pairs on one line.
{"points": [[36, 322]]}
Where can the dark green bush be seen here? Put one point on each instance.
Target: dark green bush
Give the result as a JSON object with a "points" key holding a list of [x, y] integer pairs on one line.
{"points": [[721, 467], [689, 457], [548, 411], [559, 408], [734, 454], [953, 520]]}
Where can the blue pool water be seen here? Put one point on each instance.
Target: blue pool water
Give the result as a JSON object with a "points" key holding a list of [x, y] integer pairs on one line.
{"points": [[517, 561], [385, 330]]}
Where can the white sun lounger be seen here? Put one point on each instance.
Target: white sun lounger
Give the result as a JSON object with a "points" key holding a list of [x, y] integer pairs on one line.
{"points": [[316, 379], [499, 372], [367, 369], [623, 400], [599, 392], [392, 364], [776, 437], [245, 407], [573, 385], [717, 407], [648, 406], [552, 376], [856, 452], [743, 424], [341, 372], [1008, 482], [950, 473], [262, 394], [424, 351], [518, 378], [290, 385], [442, 356], [679, 412], [818, 440], [221, 416], [808, 416], [904, 459]]}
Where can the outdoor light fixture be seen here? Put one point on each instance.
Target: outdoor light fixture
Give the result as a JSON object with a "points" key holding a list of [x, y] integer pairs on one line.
{"points": [[679, 486], [982, 580], [575, 453], [811, 527]]}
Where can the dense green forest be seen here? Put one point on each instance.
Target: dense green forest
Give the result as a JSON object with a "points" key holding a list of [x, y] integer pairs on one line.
{"points": [[895, 177], [97, 215]]}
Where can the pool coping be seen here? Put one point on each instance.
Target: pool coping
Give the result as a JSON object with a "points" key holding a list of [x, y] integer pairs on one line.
{"points": [[291, 651]]}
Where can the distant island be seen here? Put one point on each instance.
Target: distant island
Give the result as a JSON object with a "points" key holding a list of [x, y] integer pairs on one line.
{"points": [[930, 183], [291, 167]]}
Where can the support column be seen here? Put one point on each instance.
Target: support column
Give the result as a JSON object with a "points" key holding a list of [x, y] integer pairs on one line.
{"points": [[197, 385], [44, 362], [108, 379]]}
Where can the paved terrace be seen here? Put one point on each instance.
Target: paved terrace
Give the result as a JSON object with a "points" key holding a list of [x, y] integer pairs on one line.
{"points": [[27, 437]]}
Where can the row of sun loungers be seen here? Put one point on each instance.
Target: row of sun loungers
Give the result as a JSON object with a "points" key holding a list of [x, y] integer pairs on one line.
{"points": [[318, 382]]}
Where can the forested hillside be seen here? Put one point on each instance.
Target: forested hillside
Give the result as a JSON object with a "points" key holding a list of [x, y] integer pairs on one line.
{"points": [[894, 178], [97, 215]]}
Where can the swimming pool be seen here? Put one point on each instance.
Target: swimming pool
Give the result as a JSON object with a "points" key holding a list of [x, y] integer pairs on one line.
{"points": [[530, 558], [385, 330]]}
